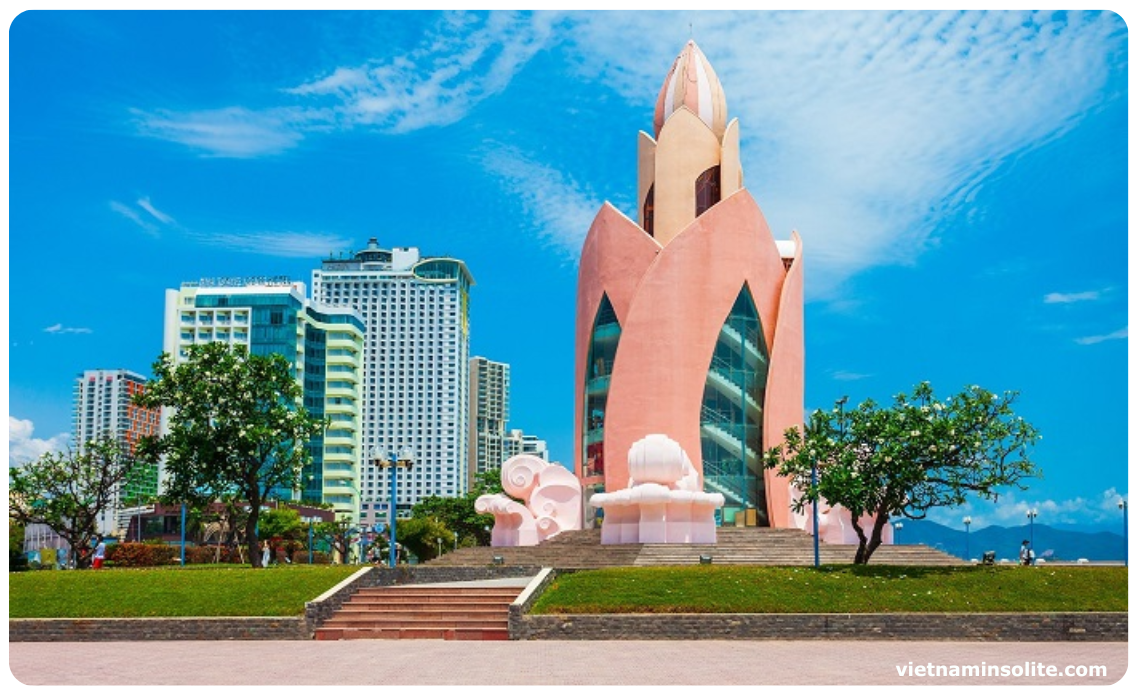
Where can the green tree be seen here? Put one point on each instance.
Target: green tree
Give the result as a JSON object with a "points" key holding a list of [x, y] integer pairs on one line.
{"points": [[919, 454], [283, 522], [339, 534], [17, 560], [236, 427], [458, 513], [422, 537], [68, 491]]}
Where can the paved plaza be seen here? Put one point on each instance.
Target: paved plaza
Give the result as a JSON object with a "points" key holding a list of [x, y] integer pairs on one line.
{"points": [[593, 663]]}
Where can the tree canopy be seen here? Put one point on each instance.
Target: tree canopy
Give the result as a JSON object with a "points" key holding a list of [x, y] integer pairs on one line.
{"points": [[236, 427], [918, 454], [457, 514], [68, 491]]}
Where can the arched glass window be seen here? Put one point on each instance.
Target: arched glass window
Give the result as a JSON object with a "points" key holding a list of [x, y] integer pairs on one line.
{"points": [[708, 189], [732, 414], [599, 366], [647, 211]]}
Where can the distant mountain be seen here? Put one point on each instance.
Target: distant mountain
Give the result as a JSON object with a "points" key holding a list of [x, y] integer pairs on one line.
{"points": [[1057, 543]]}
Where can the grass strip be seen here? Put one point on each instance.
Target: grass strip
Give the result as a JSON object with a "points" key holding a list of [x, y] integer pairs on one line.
{"points": [[193, 591], [837, 589]]}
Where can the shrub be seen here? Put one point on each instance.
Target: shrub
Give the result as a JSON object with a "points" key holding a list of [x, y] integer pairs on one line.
{"points": [[141, 554], [301, 556], [210, 554]]}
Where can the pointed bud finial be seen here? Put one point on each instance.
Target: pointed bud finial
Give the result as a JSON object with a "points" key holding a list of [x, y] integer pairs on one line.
{"points": [[693, 84]]}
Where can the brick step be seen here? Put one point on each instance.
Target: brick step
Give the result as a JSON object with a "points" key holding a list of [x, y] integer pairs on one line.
{"points": [[389, 623], [446, 634], [434, 599], [411, 612], [441, 596]]}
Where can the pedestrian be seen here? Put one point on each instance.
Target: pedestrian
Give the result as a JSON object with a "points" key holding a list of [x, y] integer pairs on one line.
{"points": [[265, 553], [1025, 556], [100, 552]]}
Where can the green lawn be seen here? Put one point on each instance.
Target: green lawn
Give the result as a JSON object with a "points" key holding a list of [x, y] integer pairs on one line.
{"points": [[194, 591], [837, 589]]}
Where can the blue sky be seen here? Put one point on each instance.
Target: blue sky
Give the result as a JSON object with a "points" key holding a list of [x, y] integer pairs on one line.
{"points": [[959, 181]]}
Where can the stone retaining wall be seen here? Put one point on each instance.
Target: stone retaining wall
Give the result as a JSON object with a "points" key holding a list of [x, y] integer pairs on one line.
{"points": [[1059, 626], [166, 629]]}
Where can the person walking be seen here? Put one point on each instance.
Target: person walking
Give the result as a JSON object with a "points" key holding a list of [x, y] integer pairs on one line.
{"points": [[100, 552], [264, 553], [1025, 556]]}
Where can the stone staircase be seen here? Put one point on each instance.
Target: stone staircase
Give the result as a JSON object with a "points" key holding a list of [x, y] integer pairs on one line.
{"points": [[440, 611], [579, 549], [582, 549]]}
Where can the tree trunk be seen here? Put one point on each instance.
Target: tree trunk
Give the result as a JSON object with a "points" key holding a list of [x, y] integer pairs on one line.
{"points": [[251, 542], [861, 554], [867, 546]]}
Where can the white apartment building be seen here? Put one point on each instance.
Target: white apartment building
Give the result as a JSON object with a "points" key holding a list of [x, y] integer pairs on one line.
{"points": [[490, 410], [415, 372], [518, 443]]}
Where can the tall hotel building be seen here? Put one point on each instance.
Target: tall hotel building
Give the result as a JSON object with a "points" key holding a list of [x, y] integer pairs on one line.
{"points": [[416, 350], [324, 345], [103, 408], [490, 410]]}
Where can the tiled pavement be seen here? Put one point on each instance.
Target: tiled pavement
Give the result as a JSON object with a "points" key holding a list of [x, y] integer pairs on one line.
{"points": [[594, 663]]}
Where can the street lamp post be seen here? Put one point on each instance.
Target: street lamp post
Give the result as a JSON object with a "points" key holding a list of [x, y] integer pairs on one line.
{"points": [[1123, 506], [310, 540], [1031, 514], [392, 461], [456, 534], [438, 547], [966, 521]]}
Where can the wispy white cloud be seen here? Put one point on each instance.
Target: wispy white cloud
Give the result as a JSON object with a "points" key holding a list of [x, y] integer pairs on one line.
{"points": [[155, 212], [1121, 334], [133, 215], [1059, 298], [58, 329], [561, 208], [864, 129], [280, 244], [465, 59], [23, 446], [1010, 510], [461, 61], [849, 376], [228, 132], [286, 244]]}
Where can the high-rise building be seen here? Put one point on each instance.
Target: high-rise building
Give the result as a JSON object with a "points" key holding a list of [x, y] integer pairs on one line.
{"points": [[517, 443], [324, 345], [416, 351], [690, 319], [103, 408], [490, 409]]}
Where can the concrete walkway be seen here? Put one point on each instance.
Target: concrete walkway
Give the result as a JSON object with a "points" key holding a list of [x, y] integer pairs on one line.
{"points": [[542, 662]]}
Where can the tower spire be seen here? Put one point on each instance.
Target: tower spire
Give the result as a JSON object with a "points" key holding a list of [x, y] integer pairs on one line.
{"points": [[692, 83]]}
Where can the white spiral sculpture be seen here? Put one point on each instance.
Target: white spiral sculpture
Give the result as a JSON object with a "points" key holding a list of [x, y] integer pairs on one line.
{"points": [[551, 502]]}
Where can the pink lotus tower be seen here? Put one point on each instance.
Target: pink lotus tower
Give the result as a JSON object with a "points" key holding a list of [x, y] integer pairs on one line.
{"points": [[690, 320]]}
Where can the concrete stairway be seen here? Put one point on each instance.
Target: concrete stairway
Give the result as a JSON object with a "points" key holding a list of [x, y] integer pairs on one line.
{"points": [[773, 547], [439, 611], [582, 549], [579, 549]]}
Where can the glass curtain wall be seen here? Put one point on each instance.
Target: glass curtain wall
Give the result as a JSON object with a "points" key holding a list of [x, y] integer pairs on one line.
{"points": [[599, 365], [732, 414]]}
